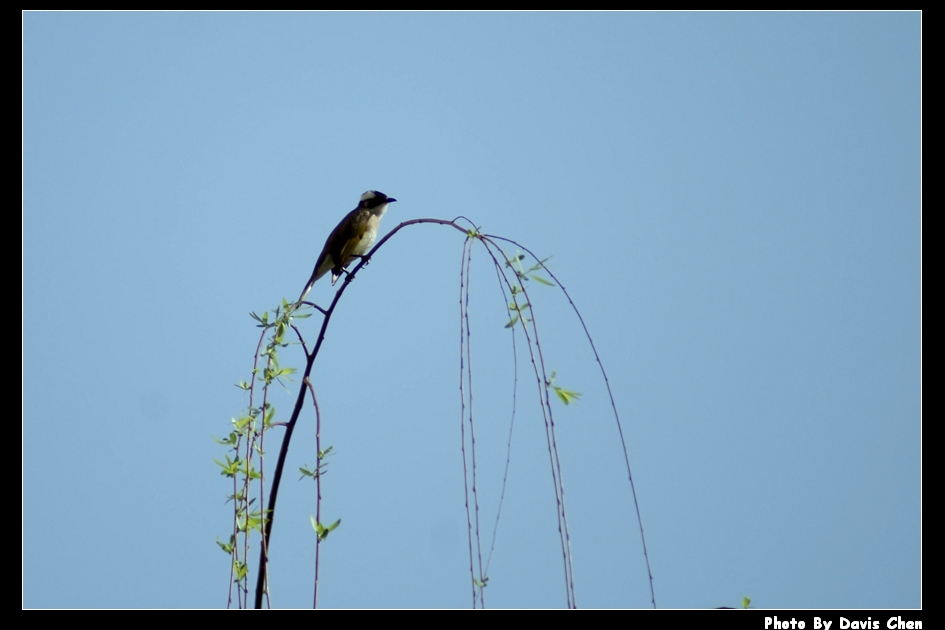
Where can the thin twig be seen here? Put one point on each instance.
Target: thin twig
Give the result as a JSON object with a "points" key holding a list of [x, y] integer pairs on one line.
{"points": [[318, 484], [613, 406], [508, 448]]}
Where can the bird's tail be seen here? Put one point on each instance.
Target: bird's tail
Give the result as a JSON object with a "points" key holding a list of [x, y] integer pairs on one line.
{"points": [[308, 287]]}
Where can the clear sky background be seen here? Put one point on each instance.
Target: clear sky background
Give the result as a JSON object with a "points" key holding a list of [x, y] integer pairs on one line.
{"points": [[732, 199]]}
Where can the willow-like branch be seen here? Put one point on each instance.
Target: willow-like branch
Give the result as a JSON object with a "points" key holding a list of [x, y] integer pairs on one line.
{"points": [[540, 373], [300, 400]]}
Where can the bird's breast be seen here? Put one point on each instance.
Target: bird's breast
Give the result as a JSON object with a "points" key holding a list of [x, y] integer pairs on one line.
{"points": [[367, 239]]}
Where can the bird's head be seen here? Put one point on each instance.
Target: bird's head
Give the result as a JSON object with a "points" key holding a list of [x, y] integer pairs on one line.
{"points": [[374, 199]]}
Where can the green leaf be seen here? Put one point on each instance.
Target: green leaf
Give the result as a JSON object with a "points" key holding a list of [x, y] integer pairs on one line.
{"points": [[230, 440], [538, 278], [227, 547], [320, 530], [307, 472], [514, 259], [567, 396], [230, 468], [539, 265]]}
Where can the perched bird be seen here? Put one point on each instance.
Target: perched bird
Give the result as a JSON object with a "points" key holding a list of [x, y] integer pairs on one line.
{"points": [[351, 238]]}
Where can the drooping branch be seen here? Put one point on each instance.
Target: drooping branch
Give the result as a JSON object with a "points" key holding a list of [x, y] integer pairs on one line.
{"points": [[261, 578], [500, 260]]}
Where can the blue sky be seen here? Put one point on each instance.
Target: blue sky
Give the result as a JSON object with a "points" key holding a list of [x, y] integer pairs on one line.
{"points": [[733, 200]]}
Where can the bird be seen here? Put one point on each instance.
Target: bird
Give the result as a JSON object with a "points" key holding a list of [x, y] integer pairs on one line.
{"points": [[351, 238]]}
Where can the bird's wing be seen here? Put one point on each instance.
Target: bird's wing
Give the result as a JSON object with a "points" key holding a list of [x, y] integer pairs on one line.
{"points": [[350, 235], [332, 258]]}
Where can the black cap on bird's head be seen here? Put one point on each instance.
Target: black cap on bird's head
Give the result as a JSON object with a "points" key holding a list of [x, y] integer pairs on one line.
{"points": [[375, 198]]}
